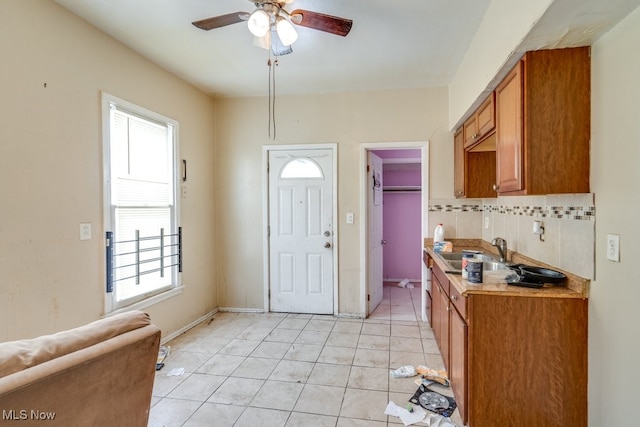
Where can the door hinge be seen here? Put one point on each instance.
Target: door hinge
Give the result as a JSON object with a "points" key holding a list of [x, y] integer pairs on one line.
{"points": [[368, 297], [268, 231], [367, 168]]}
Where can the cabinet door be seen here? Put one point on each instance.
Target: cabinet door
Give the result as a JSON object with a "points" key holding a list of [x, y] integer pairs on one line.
{"points": [[436, 308], [470, 131], [486, 116], [444, 328], [458, 361], [458, 164], [509, 132]]}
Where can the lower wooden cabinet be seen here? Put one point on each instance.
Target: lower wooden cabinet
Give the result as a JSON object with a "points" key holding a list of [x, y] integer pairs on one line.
{"points": [[440, 316], [458, 360], [512, 360]]}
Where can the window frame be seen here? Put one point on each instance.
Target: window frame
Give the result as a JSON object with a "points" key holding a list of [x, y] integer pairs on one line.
{"points": [[111, 305]]}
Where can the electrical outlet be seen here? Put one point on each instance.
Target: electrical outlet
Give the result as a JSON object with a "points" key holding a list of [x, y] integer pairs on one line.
{"points": [[613, 247], [486, 222]]}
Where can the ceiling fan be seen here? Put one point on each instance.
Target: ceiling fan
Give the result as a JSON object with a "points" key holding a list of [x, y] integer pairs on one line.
{"points": [[273, 26]]}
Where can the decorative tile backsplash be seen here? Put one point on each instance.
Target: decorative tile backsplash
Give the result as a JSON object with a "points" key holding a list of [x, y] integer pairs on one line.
{"points": [[568, 219], [578, 213]]}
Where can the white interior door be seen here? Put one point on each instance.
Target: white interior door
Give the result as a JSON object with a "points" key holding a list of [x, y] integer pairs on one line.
{"points": [[301, 231], [374, 208]]}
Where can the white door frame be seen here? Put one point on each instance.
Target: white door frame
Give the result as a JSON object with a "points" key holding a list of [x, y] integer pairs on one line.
{"points": [[265, 214], [364, 223]]}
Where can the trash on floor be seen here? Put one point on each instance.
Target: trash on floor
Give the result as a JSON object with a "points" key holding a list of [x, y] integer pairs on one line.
{"points": [[435, 420], [434, 401], [163, 352], [405, 283], [406, 371], [404, 414], [438, 375], [175, 372]]}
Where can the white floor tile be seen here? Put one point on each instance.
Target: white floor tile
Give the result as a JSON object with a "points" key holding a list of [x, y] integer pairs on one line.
{"points": [[278, 369]]}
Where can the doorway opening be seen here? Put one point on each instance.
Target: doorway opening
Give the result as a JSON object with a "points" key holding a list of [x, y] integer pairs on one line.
{"points": [[394, 184]]}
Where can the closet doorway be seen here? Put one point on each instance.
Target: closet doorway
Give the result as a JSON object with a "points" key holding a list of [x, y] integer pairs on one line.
{"points": [[394, 197]]}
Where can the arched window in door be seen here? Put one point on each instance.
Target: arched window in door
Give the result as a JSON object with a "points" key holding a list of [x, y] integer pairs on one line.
{"points": [[301, 168]]}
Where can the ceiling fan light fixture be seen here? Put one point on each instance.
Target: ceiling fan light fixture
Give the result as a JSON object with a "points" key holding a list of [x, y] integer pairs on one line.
{"points": [[259, 23], [287, 34], [264, 42]]}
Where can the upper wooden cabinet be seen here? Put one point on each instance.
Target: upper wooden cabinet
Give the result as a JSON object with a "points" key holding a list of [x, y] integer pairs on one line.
{"points": [[481, 123], [543, 124], [458, 163], [474, 169]]}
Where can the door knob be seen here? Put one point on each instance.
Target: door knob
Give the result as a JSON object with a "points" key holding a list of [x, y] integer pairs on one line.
{"points": [[327, 245], [327, 233], [383, 242]]}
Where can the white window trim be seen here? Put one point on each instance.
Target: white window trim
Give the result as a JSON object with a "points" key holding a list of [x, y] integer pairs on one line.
{"points": [[110, 307]]}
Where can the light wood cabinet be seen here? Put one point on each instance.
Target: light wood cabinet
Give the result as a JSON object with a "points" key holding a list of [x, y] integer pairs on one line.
{"points": [[481, 123], [543, 124]]}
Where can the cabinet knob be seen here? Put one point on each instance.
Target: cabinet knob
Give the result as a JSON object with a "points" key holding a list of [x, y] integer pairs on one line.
{"points": [[454, 297], [496, 187]]}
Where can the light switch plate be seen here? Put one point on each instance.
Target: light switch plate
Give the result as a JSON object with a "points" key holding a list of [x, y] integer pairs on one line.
{"points": [[613, 247], [85, 231], [350, 218]]}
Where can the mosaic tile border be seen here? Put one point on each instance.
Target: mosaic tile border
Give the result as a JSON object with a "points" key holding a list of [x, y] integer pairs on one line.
{"points": [[576, 213], [455, 208]]}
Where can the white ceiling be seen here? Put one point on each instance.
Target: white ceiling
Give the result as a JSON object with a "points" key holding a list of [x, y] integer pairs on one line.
{"points": [[393, 44]]}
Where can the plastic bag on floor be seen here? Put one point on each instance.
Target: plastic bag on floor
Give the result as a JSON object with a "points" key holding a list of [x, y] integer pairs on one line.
{"points": [[404, 372]]}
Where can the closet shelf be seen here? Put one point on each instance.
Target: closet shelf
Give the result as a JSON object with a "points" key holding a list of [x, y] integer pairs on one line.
{"points": [[402, 188]]}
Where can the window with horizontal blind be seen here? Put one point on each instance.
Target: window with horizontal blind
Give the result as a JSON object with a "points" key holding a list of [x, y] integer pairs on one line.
{"points": [[143, 257]]}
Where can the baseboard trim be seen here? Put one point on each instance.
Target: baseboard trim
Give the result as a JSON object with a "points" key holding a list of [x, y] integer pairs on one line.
{"points": [[241, 310], [184, 329], [350, 315]]}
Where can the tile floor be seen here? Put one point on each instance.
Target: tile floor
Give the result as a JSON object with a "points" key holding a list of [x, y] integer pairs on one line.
{"points": [[296, 370]]}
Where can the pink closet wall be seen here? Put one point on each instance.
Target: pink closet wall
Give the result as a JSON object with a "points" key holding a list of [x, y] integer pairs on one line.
{"points": [[401, 219]]}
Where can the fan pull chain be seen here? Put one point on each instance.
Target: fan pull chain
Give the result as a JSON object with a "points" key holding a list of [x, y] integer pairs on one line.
{"points": [[272, 95]]}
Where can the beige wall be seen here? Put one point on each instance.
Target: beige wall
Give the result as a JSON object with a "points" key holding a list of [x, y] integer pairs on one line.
{"points": [[614, 318], [51, 170], [346, 119], [503, 27]]}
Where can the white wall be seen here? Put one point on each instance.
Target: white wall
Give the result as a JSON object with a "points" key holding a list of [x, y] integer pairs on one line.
{"points": [[51, 170], [346, 119], [614, 318]]}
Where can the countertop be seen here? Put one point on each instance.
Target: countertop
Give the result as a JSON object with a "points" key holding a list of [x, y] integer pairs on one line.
{"points": [[494, 281]]}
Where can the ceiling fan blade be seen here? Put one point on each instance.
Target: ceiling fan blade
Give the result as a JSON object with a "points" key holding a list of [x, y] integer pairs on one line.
{"points": [[221, 21], [322, 22]]}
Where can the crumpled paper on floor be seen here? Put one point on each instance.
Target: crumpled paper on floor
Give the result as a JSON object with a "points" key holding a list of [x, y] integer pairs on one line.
{"points": [[435, 420], [405, 416]]}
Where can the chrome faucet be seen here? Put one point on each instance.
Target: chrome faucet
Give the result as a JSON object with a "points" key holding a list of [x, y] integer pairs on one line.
{"points": [[501, 244]]}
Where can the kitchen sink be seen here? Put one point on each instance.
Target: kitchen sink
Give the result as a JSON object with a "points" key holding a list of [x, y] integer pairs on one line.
{"points": [[457, 256], [454, 262]]}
